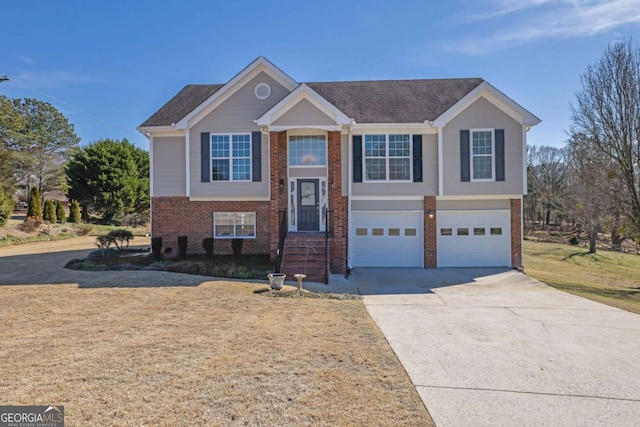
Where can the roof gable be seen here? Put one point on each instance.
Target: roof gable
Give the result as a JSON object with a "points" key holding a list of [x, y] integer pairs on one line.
{"points": [[497, 98]]}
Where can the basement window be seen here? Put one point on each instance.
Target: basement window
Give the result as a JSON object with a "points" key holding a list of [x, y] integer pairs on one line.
{"points": [[234, 225]]}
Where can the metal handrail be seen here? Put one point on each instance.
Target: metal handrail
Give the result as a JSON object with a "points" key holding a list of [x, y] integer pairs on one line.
{"points": [[281, 238]]}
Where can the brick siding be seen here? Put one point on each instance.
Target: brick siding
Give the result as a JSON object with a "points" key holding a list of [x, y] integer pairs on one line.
{"points": [[338, 206], [516, 233], [430, 234]]}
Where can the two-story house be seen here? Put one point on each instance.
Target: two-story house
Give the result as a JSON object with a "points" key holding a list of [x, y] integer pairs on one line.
{"points": [[393, 173]]}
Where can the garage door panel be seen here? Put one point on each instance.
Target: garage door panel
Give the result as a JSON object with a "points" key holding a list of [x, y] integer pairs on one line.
{"points": [[474, 239], [387, 239]]}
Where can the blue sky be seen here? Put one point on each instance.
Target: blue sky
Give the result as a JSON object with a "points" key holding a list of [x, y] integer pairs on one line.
{"points": [[109, 65]]}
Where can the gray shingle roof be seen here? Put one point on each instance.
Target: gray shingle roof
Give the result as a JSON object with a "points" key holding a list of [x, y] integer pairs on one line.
{"points": [[375, 101], [182, 104], [395, 101]]}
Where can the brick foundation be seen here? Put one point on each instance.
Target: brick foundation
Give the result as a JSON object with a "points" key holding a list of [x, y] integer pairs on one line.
{"points": [[516, 233], [177, 216], [430, 233]]}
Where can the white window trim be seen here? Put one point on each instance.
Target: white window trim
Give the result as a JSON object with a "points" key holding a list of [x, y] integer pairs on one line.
{"points": [[493, 155], [326, 152], [230, 158], [387, 157], [235, 236]]}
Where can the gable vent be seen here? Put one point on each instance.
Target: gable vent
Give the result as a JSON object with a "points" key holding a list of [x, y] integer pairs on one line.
{"points": [[262, 91]]}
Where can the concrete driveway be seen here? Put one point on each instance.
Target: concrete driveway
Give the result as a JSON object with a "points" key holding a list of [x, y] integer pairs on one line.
{"points": [[487, 347]]}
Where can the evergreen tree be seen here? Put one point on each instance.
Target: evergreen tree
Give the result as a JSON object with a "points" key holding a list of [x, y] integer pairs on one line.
{"points": [[35, 203], [49, 211], [60, 213], [6, 207], [74, 212]]}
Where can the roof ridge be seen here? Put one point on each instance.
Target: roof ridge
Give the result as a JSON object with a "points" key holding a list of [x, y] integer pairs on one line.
{"points": [[399, 80]]}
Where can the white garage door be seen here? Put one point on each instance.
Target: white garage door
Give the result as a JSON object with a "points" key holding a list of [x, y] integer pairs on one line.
{"points": [[387, 239], [474, 239]]}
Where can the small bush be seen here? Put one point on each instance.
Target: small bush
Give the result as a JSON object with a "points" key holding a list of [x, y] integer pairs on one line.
{"points": [[120, 238], [61, 215], [83, 229], [74, 212], [207, 244], [31, 224], [182, 246], [236, 246], [132, 220], [49, 211], [156, 248], [35, 204]]}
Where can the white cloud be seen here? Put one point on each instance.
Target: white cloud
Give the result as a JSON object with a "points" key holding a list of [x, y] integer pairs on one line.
{"points": [[52, 79], [527, 21]]}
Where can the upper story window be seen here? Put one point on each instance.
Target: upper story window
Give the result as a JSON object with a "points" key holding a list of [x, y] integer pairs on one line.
{"points": [[387, 157], [307, 150], [231, 157], [482, 154]]}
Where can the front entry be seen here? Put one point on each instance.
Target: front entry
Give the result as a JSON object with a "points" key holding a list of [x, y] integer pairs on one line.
{"points": [[308, 205]]}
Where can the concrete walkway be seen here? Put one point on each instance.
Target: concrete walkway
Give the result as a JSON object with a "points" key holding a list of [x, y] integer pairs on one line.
{"points": [[490, 347]]}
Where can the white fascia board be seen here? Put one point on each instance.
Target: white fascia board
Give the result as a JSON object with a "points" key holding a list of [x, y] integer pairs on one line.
{"points": [[482, 197], [303, 92], [233, 85], [328, 128], [493, 95], [160, 131], [424, 128]]}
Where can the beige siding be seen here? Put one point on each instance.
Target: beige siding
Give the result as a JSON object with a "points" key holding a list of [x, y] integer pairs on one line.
{"points": [[466, 205], [235, 115], [428, 187], [168, 167], [482, 114], [387, 205], [304, 113]]}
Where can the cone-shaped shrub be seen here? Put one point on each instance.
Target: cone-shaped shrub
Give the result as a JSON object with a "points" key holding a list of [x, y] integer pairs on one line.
{"points": [[35, 204], [74, 212], [49, 213], [61, 215]]}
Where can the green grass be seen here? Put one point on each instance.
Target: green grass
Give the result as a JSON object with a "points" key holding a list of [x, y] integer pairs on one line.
{"points": [[612, 278]]}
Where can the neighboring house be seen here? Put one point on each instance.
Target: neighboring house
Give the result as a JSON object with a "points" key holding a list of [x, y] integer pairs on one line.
{"points": [[407, 173]]}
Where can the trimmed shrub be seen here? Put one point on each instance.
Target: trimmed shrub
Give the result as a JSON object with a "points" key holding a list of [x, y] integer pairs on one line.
{"points": [[83, 229], [49, 213], [6, 207], [35, 204], [120, 238], [74, 212], [207, 244], [61, 215], [182, 246], [156, 248], [236, 246]]}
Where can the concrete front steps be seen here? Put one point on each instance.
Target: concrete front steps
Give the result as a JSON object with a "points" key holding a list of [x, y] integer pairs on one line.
{"points": [[304, 253]]}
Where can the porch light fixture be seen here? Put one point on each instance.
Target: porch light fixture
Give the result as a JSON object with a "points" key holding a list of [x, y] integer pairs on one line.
{"points": [[281, 184], [431, 214]]}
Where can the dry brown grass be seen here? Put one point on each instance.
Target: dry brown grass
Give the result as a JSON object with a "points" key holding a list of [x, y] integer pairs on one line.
{"points": [[215, 354]]}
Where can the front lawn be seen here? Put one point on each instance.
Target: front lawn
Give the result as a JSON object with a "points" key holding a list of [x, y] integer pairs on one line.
{"points": [[214, 354], [611, 278]]}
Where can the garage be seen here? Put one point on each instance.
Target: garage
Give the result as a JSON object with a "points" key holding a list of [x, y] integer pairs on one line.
{"points": [[474, 238], [387, 239]]}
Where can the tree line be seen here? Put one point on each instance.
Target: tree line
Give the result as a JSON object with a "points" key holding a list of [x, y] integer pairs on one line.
{"points": [[39, 150], [594, 180]]}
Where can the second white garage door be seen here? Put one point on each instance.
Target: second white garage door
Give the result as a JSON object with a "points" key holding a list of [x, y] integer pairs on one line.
{"points": [[387, 239], [474, 238]]}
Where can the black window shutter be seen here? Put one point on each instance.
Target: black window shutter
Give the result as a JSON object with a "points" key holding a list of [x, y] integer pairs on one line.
{"points": [[357, 158], [417, 158], [465, 164], [499, 133], [205, 157], [256, 156]]}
